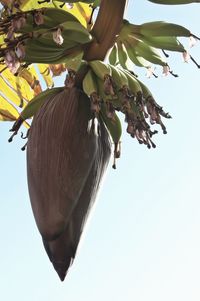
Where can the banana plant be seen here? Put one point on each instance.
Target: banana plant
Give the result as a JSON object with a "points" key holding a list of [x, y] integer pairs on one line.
{"points": [[73, 128]]}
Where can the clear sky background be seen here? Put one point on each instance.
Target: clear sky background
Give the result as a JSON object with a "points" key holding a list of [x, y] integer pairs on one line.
{"points": [[142, 241]]}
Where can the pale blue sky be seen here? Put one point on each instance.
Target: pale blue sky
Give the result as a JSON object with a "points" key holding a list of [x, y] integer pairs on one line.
{"points": [[143, 239]]}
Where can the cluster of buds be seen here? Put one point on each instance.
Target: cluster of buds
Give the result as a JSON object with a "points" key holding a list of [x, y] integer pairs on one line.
{"points": [[108, 85], [126, 92], [110, 110], [137, 110], [18, 22], [138, 128], [140, 102], [95, 103], [135, 114], [155, 112], [141, 109], [13, 56], [12, 24], [38, 17], [70, 79], [11, 61], [14, 52]]}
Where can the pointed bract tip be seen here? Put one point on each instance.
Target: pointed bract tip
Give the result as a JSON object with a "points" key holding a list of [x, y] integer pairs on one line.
{"points": [[61, 275], [62, 268], [61, 271]]}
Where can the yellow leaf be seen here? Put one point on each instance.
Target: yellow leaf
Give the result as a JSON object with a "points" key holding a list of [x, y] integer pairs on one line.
{"points": [[2, 37], [31, 77], [80, 10], [57, 69], [33, 4], [31, 68], [7, 111], [46, 74], [23, 89], [9, 92], [14, 88]]}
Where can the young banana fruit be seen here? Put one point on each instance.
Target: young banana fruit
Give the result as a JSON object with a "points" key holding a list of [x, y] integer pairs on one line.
{"points": [[101, 69], [103, 72], [113, 55], [166, 43], [45, 43], [121, 85], [135, 58], [142, 41], [51, 18], [115, 130], [133, 83], [161, 28], [122, 54], [91, 90], [147, 52], [102, 106]]}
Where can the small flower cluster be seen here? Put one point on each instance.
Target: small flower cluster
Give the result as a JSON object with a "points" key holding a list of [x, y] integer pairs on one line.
{"points": [[13, 55], [136, 109], [135, 115], [95, 103], [70, 79], [11, 60], [13, 51]]}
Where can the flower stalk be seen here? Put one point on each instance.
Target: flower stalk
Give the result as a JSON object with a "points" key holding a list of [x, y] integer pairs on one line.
{"points": [[106, 28]]}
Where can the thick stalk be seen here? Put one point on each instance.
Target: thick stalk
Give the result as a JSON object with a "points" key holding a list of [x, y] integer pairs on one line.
{"points": [[105, 29]]}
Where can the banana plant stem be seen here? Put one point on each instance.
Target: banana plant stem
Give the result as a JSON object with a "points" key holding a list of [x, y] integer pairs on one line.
{"points": [[106, 28]]}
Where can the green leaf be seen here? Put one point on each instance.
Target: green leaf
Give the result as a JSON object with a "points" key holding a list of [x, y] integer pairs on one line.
{"points": [[174, 2]]}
